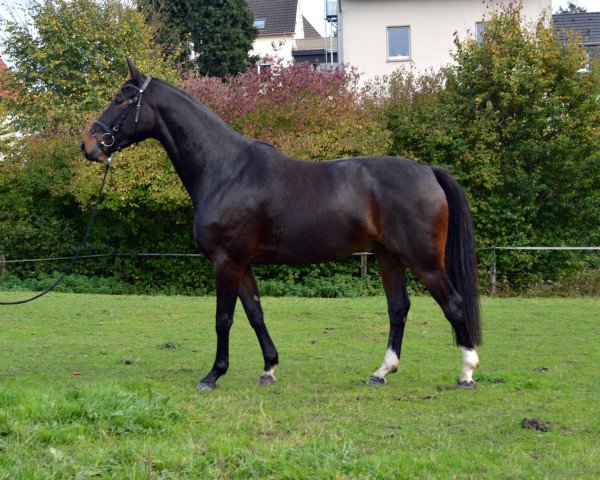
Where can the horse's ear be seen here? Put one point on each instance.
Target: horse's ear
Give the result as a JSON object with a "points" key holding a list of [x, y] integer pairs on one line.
{"points": [[138, 76]]}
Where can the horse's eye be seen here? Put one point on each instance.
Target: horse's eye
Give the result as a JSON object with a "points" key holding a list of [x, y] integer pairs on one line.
{"points": [[118, 100]]}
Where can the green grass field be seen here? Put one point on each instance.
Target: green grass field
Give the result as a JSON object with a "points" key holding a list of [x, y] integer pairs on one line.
{"points": [[132, 410]]}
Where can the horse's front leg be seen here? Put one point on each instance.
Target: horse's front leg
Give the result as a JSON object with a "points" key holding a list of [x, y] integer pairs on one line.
{"points": [[228, 277]]}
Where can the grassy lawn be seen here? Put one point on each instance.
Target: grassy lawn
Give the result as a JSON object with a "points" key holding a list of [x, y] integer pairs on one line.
{"points": [[103, 387]]}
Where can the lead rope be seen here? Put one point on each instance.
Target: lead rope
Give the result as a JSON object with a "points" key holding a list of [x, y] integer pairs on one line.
{"points": [[69, 269]]}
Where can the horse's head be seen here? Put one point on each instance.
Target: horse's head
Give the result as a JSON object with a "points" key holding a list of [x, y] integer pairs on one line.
{"points": [[123, 123]]}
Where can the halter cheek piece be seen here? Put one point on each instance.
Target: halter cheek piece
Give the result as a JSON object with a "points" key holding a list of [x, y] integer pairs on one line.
{"points": [[107, 139]]}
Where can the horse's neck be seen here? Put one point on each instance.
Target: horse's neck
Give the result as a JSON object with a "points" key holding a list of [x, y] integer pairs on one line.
{"points": [[198, 142]]}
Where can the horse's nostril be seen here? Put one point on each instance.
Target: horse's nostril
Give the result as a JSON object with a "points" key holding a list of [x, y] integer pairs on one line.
{"points": [[82, 146]]}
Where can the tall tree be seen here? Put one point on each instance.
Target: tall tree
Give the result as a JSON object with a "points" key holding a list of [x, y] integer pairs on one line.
{"points": [[69, 55], [530, 121], [518, 123], [572, 7], [213, 35]]}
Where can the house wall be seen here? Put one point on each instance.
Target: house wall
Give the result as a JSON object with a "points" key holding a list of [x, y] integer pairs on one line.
{"points": [[299, 30], [432, 26], [263, 47], [279, 45]]}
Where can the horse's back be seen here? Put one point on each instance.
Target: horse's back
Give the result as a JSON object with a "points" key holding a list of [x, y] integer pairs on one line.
{"points": [[395, 184], [328, 210]]}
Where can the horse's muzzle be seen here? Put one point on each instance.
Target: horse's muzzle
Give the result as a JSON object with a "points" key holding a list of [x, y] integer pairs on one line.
{"points": [[92, 151]]}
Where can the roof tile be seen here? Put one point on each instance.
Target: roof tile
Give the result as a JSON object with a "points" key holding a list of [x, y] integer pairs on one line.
{"points": [[309, 30], [279, 15], [587, 25]]}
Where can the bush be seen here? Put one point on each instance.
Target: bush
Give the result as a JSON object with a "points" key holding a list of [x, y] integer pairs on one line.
{"points": [[313, 285], [307, 113], [514, 120], [529, 121], [146, 208]]}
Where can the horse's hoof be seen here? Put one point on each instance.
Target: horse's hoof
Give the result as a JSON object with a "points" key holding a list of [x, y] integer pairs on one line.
{"points": [[265, 380], [206, 387], [470, 385], [373, 380]]}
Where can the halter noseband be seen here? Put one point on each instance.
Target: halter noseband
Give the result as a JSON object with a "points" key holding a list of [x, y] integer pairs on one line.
{"points": [[107, 139]]}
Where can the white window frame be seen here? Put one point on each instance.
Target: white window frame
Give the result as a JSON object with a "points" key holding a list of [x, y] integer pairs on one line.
{"points": [[264, 66], [585, 67], [398, 58], [479, 33]]}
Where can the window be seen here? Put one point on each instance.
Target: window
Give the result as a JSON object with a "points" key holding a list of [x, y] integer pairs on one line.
{"points": [[479, 29], [259, 23], [264, 66], [331, 8], [398, 42], [585, 66]]}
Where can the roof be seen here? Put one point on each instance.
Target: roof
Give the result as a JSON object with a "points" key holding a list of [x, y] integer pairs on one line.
{"points": [[587, 25], [309, 30], [279, 15]]}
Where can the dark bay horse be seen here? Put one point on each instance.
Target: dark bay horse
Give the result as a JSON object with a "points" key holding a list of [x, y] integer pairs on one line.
{"points": [[254, 205]]}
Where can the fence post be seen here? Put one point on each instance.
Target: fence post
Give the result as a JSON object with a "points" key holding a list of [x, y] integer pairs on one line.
{"points": [[493, 273], [117, 262], [363, 266], [2, 265]]}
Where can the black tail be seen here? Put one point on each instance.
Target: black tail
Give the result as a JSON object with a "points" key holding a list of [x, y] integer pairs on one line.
{"points": [[461, 260]]}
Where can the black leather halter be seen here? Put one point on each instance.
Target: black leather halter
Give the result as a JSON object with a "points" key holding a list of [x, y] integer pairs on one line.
{"points": [[107, 139]]}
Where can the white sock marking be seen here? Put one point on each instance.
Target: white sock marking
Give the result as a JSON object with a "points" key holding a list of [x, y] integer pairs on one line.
{"points": [[389, 365], [269, 373], [470, 364]]}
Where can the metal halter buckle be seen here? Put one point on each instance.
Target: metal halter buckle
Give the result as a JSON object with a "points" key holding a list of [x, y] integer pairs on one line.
{"points": [[110, 136]]}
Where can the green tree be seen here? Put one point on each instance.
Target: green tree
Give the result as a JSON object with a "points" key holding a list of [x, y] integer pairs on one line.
{"points": [[68, 62], [69, 56], [214, 35], [572, 7], [518, 123], [530, 122]]}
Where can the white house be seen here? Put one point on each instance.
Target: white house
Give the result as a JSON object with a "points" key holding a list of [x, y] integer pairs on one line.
{"points": [[281, 24], [378, 36]]}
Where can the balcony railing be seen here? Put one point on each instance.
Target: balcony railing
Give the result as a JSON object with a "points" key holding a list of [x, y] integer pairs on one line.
{"points": [[316, 43]]}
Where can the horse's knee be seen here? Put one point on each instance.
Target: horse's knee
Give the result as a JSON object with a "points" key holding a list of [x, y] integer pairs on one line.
{"points": [[223, 324]]}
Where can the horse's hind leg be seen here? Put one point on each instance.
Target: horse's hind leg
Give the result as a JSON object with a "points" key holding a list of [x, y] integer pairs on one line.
{"points": [[438, 284], [249, 297], [394, 283]]}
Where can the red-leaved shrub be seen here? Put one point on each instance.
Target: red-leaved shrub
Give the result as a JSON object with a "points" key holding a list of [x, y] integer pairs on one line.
{"points": [[306, 112]]}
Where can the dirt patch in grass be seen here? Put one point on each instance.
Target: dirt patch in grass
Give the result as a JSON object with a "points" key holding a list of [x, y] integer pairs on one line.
{"points": [[535, 424]]}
